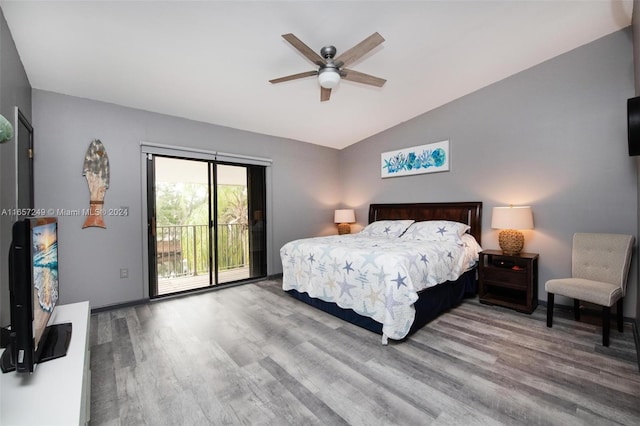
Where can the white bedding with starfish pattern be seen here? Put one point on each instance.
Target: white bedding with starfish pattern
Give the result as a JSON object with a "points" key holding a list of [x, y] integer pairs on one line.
{"points": [[377, 277]]}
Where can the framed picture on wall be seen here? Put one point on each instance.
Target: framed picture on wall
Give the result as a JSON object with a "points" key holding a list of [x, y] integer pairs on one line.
{"points": [[430, 158]]}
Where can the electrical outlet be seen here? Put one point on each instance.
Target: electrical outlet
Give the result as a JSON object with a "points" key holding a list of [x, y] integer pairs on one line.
{"points": [[124, 273]]}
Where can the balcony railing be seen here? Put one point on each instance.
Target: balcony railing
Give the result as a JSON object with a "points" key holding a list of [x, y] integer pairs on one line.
{"points": [[183, 250]]}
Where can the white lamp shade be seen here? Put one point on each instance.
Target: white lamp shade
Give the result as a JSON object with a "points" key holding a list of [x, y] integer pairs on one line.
{"points": [[344, 216], [513, 217], [328, 78]]}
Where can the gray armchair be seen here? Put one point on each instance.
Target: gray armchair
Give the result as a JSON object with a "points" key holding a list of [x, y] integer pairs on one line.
{"points": [[599, 270]]}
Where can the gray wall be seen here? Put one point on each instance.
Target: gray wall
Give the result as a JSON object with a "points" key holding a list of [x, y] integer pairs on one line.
{"points": [[15, 90], [304, 189], [553, 137]]}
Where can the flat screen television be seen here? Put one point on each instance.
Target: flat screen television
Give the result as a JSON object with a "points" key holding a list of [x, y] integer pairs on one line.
{"points": [[33, 294]]}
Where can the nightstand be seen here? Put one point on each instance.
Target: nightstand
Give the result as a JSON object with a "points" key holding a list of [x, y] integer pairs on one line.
{"points": [[509, 280]]}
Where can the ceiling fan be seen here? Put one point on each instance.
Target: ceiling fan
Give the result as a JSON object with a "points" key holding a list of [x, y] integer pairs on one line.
{"points": [[332, 69]]}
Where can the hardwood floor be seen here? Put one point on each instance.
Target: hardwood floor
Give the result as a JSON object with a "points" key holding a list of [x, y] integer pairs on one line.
{"points": [[253, 355]]}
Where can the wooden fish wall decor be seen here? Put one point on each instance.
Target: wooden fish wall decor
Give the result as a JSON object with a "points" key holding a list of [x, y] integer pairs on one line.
{"points": [[96, 170]]}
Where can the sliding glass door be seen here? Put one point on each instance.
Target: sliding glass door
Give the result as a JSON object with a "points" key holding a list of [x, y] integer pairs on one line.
{"points": [[206, 223]]}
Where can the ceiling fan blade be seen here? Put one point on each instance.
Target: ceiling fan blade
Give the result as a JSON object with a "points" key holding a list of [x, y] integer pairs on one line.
{"points": [[359, 50], [325, 94], [360, 77], [294, 77], [304, 49]]}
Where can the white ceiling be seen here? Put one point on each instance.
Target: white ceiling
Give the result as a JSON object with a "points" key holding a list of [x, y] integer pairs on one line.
{"points": [[211, 60]]}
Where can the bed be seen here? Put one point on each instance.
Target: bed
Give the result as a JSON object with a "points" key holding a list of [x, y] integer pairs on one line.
{"points": [[411, 263]]}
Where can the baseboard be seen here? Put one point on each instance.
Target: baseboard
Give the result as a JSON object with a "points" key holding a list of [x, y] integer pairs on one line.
{"points": [[180, 294], [119, 305], [275, 276]]}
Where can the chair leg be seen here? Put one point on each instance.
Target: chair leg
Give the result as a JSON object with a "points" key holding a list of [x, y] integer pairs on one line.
{"points": [[619, 309], [550, 309], [606, 320], [576, 309]]}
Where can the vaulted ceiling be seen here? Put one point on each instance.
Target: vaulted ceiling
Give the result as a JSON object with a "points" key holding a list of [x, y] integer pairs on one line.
{"points": [[211, 61]]}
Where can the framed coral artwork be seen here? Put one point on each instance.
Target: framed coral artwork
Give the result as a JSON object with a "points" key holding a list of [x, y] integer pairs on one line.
{"points": [[430, 158]]}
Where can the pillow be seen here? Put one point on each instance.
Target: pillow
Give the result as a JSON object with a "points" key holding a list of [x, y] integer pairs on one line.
{"points": [[436, 230], [472, 249], [469, 242], [386, 228]]}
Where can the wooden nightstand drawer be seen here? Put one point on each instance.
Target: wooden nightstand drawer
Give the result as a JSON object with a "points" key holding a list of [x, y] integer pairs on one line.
{"points": [[514, 278], [509, 281]]}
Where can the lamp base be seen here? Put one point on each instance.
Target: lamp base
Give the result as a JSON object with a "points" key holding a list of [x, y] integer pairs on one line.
{"points": [[511, 241], [344, 228]]}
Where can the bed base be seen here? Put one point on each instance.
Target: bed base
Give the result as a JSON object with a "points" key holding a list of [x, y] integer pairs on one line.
{"points": [[430, 304]]}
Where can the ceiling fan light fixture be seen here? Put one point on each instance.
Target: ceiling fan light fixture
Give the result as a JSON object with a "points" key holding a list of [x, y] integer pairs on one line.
{"points": [[328, 77], [331, 70]]}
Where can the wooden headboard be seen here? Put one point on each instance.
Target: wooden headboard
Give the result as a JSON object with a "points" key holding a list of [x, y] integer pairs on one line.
{"points": [[465, 212]]}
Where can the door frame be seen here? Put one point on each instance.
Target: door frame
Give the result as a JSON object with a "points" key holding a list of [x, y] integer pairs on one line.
{"points": [[152, 215], [196, 153], [152, 267], [21, 121]]}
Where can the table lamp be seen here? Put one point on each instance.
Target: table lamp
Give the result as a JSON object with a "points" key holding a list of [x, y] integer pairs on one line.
{"points": [[343, 217], [510, 220]]}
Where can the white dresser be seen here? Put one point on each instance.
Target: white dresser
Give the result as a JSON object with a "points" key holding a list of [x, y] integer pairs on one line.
{"points": [[58, 391]]}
